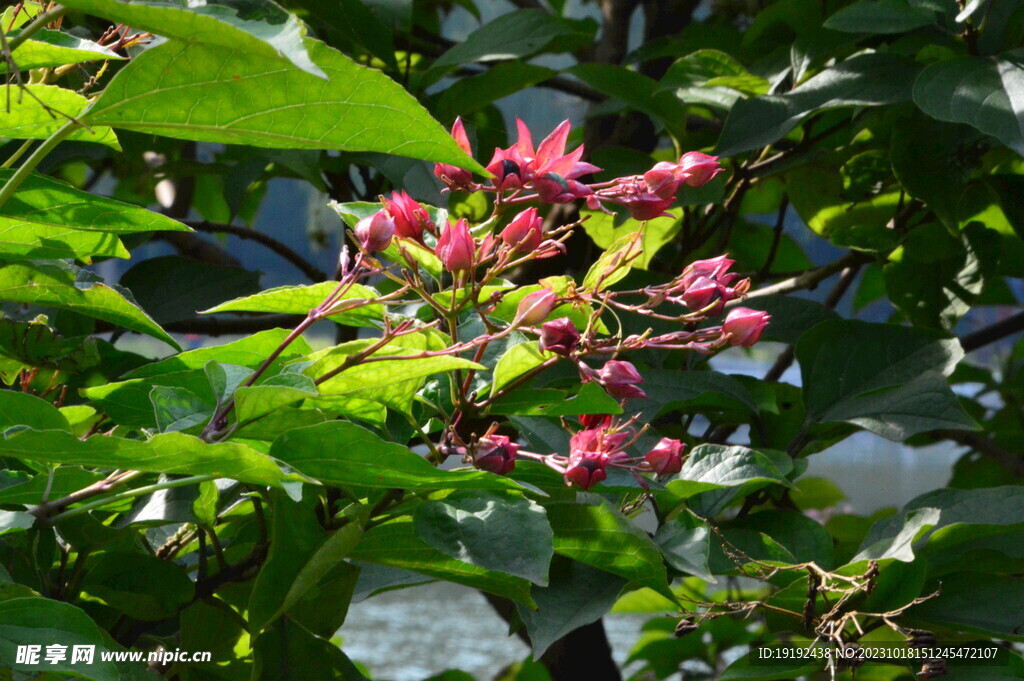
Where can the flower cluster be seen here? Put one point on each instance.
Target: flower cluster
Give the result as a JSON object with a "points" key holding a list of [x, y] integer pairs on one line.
{"points": [[565, 321]]}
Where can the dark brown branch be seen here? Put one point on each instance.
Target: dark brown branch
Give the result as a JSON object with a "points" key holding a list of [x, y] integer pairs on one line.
{"points": [[1011, 461], [993, 333], [810, 280], [283, 250], [220, 326]]}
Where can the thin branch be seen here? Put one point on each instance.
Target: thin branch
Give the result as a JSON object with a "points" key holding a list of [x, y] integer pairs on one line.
{"points": [[33, 27], [283, 250], [810, 280], [220, 326], [1011, 461], [995, 332]]}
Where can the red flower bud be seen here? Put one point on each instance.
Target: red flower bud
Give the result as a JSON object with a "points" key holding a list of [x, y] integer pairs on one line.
{"points": [[524, 233], [647, 206], [698, 169], [712, 268], [559, 336], [592, 421], [620, 378], [410, 217], [456, 248], [535, 308], [662, 180], [666, 458], [375, 232], [744, 326], [587, 471], [495, 453]]}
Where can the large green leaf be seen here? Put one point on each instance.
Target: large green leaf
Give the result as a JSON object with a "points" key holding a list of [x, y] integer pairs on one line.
{"points": [[604, 230], [519, 360], [250, 351], [218, 94], [865, 80], [592, 532], [41, 622], [920, 519], [139, 585], [578, 595], [468, 95], [886, 378], [165, 453], [985, 92], [259, 28], [504, 533], [516, 35], [978, 602], [44, 200], [35, 344], [396, 544], [53, 48], [22, 240], [40, 110], [637, 91], [29, 411], [288, 651], [711, 467], [880, 16], [302, 299], [344, 454], [712, 77], [66, 288]]}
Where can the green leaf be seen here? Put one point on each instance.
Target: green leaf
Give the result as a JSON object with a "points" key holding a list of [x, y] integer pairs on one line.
{"points": [[248, 352], [791, 317], [227, 96], [15, 521], [166, 453], [615, 263], [984, 92], [41, 621], [886, 378], [711, 77], [591, 399], [45, 200], [519, 360], [21, 240], [259, 28], [896, 537], [139, 585], [128, 402], [880, 16], [66, 288], [396, 544], [710, 467], [594, 533], [684, 541], [517, 35], [178, 409], [288, 651], [302, 299], [469, 95], [977, 602], [344, 454], [578, 595], [864, 80], [28, 411], [64, 481], [602, 228], [52, 48], [637, 91], [504, 533], [271, 394], [195, 284], [746, 669], [40, 110], [37, 345]]}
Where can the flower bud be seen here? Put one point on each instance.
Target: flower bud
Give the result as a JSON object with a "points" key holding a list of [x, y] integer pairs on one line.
{"points": [[744, 326], [698, 169], [666, 458], [524, 233], [559, 336], [495, 453], [595, 421], [648, 206], [701, 293], [587, 472], [620, 378], [410, 217], [456, 248], [662, 180], [375, 232], [535, 308]]}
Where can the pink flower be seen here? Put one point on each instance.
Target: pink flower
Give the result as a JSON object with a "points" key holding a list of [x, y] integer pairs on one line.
{"points": [[590, 421], [456, 248], [663, 180], [559, 336], [535, 307], [744, 326], [455, 177], [697, 169], [547, 168], [410, 217], [587, 470], [495, 453], [716, 269], [375, 232], [647, 206], [666, 456], [524, 233], [620, 378]]}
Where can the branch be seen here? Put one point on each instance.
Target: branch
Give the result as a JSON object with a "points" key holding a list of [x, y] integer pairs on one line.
{"points": [[810, 280], [307, 268], [1011, 461], [993, 333], [221, 326]]}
